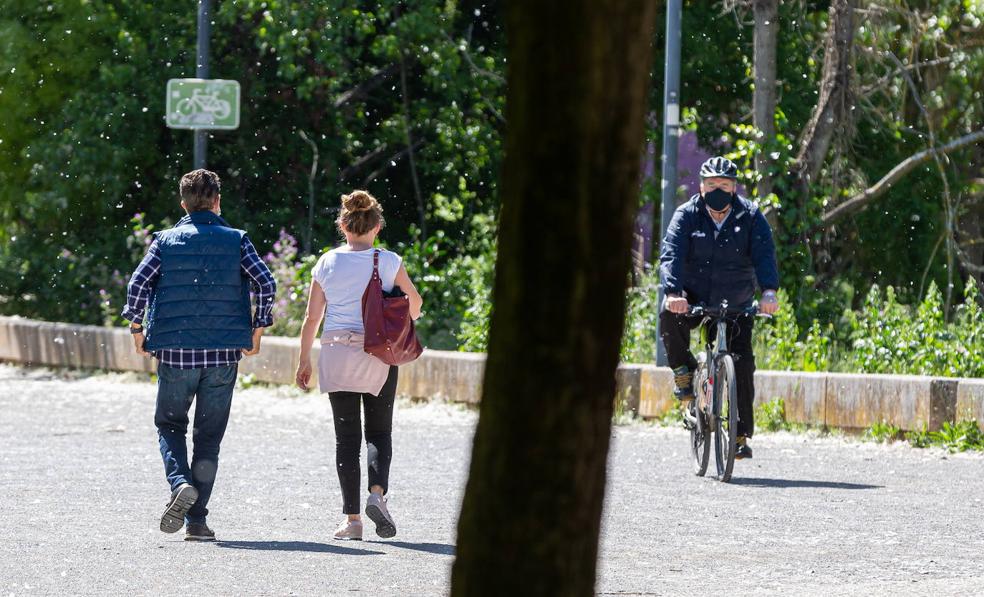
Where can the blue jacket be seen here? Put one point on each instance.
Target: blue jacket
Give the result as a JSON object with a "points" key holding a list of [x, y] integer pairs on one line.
{"points": [[201, 299], [727, 267]]}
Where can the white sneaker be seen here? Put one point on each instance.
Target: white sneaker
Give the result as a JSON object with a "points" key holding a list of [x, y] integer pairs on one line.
{"points": [[377, 512], [349, 530]]}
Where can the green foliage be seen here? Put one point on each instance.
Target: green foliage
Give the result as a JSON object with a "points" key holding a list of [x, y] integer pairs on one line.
{"points": [[888, 337], [89, 148], [456, 286], [883, 432], [642, 314], [293, 276], [672, 417], [953, 437], [83, 149], [884, 336], [919, 438], [771, 415], [779, 345]]}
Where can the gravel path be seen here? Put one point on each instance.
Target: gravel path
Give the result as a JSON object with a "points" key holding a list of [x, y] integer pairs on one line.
{"points": [[83, 487]]}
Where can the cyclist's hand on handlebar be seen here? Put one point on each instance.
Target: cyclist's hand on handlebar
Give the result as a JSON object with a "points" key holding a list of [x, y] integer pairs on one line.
{"points": [[769, 303], [677, 304]]}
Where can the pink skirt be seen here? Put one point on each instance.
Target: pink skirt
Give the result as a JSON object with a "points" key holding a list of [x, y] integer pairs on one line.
{"points": [[345, 367]]}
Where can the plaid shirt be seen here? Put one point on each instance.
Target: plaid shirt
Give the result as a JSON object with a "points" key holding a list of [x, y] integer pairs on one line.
{"points": [[145, 277]]}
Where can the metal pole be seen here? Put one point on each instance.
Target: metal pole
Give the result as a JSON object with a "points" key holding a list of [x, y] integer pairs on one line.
{"points": [[201, 71], [671, 135]]}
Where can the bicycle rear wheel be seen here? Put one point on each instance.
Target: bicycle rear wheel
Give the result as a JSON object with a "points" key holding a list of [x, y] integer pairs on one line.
{"points": [[725, 418], [700, 431]]}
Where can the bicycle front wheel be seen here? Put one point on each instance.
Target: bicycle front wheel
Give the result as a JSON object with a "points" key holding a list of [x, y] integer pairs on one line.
{"points": [[700, 430], [725, 419]]}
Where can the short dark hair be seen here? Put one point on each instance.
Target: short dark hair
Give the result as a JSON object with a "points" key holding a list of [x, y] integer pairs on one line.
{"points": [[200, 189]]}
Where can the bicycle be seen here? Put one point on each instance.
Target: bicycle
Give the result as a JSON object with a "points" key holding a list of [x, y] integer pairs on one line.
{"points": [[202, 102], [714, 409]]}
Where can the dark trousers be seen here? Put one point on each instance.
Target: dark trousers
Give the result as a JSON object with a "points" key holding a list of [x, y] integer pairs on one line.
{"points": [[348, 439], [674, 329], [176, 389]]}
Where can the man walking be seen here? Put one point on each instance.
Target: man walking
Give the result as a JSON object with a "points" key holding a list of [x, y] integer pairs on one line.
{"points": [[195, 283]]}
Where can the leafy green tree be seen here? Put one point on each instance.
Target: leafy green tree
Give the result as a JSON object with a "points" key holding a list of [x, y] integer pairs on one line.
{"points": [[404, 100]]}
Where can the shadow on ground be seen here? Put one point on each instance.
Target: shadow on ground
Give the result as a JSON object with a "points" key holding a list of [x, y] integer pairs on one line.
{"points": [[438, 548], [309, 546], [798, 483]]}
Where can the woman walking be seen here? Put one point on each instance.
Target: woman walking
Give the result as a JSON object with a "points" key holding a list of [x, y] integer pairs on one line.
{"points": [[350, 376]]}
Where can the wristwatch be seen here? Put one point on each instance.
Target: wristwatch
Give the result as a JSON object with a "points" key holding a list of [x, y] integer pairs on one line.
{"points": [[136, 330]]}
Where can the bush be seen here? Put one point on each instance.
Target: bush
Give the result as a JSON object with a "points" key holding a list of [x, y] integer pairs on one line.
{"points": [[884, 336], [883, 432], [888, 337], [771, 416], [641, 317], [954, 437], [293, 278], [456, 286]]}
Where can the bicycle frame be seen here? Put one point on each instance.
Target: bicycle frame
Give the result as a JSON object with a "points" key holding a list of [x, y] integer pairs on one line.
{"points": [[720, 316], [709, 418]]}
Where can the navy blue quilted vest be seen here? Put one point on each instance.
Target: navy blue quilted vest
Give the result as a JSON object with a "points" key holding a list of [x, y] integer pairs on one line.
{"points": [[201, 299]]}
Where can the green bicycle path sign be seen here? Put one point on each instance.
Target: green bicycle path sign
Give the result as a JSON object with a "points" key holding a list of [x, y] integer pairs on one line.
{"points": [[202, 104]]}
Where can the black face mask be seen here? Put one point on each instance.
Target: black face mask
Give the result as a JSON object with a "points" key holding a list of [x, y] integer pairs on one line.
{"points": [[718, 199]]}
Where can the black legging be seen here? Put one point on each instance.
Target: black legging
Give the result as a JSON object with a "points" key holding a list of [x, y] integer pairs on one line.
{"points": [[675, 330], [348, 439]]}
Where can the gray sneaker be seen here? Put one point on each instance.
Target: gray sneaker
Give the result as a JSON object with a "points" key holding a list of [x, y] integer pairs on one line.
{"points": [[182, 499], [349, 530], [377, 512]]}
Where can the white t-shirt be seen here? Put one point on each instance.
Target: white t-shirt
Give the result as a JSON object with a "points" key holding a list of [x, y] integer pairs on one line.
{"points": [[343, 275]]}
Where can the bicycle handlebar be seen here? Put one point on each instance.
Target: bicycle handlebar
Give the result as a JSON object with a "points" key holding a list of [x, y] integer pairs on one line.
{"points": [[722, 311]]}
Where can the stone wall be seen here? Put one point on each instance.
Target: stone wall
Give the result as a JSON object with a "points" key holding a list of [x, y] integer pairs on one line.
{"points": [[849, 401]]}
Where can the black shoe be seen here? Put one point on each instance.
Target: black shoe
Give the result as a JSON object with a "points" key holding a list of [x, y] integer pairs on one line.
{"points": [[744, 450], [182, 499], [198, 531], [683, 380]]}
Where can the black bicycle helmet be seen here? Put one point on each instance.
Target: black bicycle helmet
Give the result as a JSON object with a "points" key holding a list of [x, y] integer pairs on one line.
{"points": [[719, 167]]}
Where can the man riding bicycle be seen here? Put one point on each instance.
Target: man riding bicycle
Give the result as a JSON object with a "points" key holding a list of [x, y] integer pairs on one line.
{"points": [[718, 246]]}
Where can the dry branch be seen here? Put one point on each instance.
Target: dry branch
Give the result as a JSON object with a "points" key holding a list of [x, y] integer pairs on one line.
{"points": [[861, 200]]}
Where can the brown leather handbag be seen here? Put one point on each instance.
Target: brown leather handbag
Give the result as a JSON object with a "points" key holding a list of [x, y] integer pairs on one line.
{"points": [[390, 335]]}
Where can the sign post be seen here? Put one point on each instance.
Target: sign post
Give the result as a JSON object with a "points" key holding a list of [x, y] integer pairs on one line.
{"points": [[202, 104], [202, 71], [671, 134]]}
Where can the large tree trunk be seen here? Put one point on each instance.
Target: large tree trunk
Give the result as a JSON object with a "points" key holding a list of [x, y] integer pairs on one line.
{"points": [[578, 74], [764, 98], [833, 108]]}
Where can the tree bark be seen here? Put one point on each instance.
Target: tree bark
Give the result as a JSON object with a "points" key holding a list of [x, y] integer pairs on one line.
{"points": [[766, 14], [577, 85], [833, 108]]}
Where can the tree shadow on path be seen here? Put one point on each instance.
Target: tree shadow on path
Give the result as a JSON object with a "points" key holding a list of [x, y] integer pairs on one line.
{"points": [[309, 546], [798, 483], [438, 548]]}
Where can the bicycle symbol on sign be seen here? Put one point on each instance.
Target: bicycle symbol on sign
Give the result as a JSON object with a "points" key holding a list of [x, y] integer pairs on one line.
{"points": [[202, 107]]}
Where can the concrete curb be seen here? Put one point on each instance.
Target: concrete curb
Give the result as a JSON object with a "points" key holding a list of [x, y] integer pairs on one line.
{"points": [[970, 401], [854, 401]]}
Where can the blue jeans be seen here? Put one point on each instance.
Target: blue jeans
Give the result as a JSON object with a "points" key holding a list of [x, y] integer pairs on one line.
{"points": [[176, 388]]}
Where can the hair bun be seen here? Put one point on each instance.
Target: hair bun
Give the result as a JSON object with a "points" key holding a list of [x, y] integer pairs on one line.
{"points": [[358, 201]]}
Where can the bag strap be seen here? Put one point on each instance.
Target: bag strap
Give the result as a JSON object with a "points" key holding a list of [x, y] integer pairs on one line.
{"points": [[375, 264]]}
